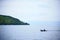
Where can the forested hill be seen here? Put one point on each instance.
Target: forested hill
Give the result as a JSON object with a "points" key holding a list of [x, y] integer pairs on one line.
{"points": [[8, 20]]}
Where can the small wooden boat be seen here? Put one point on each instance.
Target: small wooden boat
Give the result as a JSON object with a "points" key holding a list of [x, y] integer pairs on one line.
{"points": [[43, 30]]}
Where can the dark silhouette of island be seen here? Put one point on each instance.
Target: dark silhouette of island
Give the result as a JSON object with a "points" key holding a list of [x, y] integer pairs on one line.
{"points": [[8, 20]]}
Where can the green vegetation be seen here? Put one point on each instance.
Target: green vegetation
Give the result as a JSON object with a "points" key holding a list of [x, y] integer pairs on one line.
{"points": [[8, 20]]}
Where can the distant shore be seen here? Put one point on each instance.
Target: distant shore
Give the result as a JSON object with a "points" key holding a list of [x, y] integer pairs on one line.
{"points": [[8, 20]]}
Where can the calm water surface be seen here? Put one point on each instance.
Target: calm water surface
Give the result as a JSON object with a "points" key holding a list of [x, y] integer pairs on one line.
{"points": [[17, 32]]}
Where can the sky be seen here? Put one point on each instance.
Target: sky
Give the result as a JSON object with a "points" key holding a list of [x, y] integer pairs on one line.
{"points": [[31, 10]]}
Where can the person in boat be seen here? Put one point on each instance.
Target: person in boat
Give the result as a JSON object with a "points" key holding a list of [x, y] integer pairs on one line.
{"points": [[43, 30]]}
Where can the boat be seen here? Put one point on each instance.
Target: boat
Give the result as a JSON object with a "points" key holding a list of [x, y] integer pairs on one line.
{"points": [[43, 30]]}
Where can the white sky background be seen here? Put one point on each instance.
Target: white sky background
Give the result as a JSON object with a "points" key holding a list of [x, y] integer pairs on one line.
{"points": [[31, 10]]}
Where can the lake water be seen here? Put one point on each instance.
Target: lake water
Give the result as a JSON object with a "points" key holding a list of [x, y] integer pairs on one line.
{"points": [[28, 32]]}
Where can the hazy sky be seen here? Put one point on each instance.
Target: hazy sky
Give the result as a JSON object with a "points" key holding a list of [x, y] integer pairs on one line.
{"points": [[31, 10]]}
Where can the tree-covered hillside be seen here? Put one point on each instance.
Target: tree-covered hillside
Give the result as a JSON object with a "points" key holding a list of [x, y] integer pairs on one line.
{"points": [[8, 20]]}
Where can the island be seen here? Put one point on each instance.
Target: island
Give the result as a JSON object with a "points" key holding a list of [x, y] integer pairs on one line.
{"points": [[8, 20]]}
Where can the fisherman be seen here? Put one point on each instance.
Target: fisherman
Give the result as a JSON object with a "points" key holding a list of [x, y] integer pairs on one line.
{"points": [[43, 30]]}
